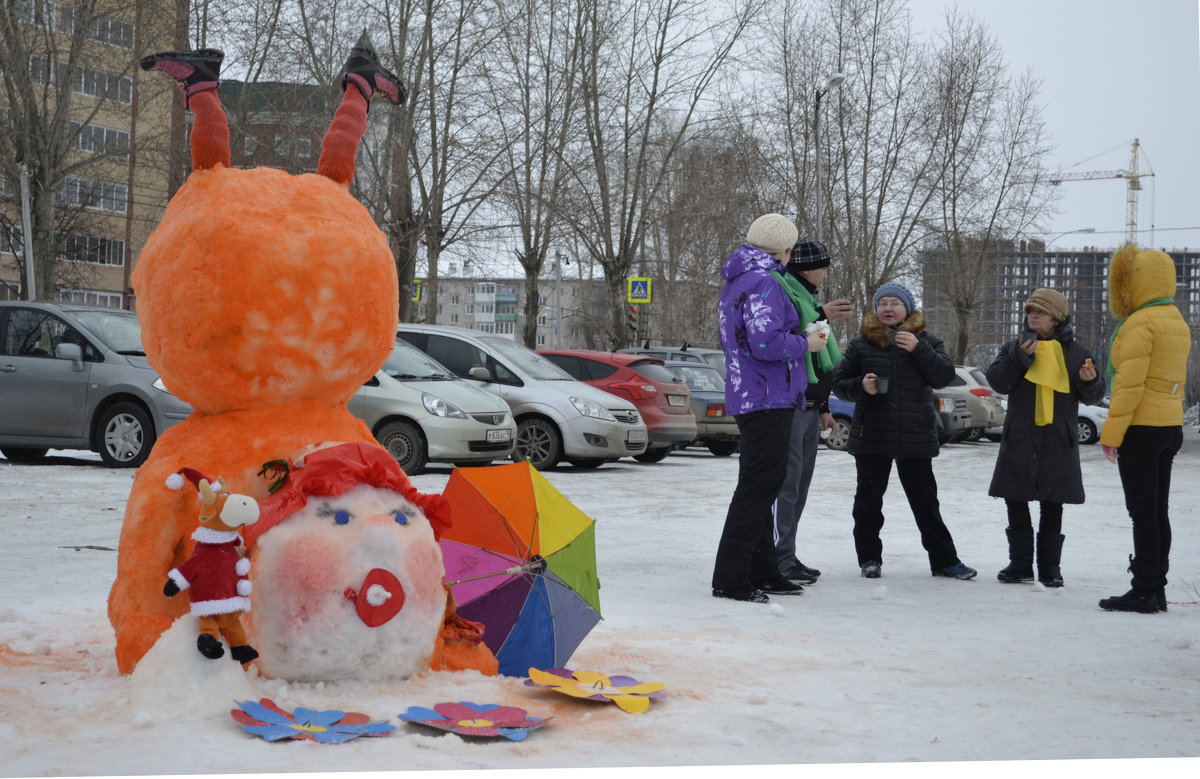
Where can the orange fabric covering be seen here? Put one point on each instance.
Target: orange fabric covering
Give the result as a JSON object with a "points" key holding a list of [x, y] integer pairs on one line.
{"points": [[259, 287]]}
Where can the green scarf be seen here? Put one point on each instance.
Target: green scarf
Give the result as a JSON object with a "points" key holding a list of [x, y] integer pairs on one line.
{"points": [[806, 307], [1112, 369]]}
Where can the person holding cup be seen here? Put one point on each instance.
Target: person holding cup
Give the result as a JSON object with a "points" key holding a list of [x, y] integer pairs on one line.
{"points": [[889, 371]]}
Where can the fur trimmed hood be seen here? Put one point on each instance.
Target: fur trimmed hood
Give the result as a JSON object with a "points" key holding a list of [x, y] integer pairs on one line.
{"points": [[1136, 276], [881, 335]]}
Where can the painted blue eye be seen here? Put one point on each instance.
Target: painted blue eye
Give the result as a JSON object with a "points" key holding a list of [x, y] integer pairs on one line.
{"points": [[342, 517], [401, 518]]}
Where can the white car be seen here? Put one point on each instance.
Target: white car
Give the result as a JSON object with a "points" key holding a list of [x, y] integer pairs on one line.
{"points": [[557, 416], [421, 413], [1091, 421]]}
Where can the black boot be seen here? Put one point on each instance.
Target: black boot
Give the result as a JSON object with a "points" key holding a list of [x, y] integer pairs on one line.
{"points": [[369, 76], [1143, 597], [195, 71], [243, 654], [1020, 556], [209, 646], [1049, 552]]}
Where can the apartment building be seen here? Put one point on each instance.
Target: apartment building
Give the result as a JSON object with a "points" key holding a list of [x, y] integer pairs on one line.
{"points": [[108, 207]]}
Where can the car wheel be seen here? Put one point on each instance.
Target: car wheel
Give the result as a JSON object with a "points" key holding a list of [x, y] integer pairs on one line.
{"points": [[653, 455], [1087, 432], [723, 448], [405, 444], [126, 435], [974, 434], [538, 442], [840, 436], [23, 454]]}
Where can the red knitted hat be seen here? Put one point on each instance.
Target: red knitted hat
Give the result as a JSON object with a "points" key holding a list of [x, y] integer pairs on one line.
{"points": [[336, 469]]}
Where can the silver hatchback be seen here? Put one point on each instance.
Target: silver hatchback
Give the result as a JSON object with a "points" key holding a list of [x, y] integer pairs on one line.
{"points": [[76, 377]]}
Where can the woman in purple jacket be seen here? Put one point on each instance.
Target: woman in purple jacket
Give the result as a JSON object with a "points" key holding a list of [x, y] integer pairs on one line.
{"points": [[766, 378]]}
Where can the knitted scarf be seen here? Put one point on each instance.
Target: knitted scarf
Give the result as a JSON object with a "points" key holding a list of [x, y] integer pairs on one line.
{"points": [[1112, 368], [806, 306], [1049, 374]]}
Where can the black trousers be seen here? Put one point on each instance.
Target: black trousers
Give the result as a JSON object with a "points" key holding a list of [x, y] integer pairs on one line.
{"points": [[1145, 459], [920, 487], [746, 552]]}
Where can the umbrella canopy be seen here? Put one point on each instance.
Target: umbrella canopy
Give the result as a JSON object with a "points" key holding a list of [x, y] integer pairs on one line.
{"points": [[521, 559]]}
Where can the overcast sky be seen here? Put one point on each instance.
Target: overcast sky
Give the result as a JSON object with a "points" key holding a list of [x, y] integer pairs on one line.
{"points": [[1111, 71]]}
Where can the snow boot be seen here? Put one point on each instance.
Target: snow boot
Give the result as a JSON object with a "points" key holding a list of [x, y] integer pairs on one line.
{"points": [[1142, 598], [1049, 552], [195, 71], [365, 72], [1020, 556]]}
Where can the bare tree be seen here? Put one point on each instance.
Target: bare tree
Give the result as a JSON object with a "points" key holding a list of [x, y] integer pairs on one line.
{"points": [[534, 85], [990, 145], [649, 66]]}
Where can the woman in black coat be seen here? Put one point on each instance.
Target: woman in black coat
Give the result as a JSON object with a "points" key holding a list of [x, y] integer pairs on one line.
{"points": [[889, 372], [1039, 450]]}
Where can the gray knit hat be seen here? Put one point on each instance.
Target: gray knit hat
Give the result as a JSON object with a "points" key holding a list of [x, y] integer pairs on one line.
{"points": [[895, 290], [773, 233]]}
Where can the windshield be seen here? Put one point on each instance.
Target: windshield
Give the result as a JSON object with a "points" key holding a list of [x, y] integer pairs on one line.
{"points": [[699, 378], [408, 362], [527, 360], [119, 330]]}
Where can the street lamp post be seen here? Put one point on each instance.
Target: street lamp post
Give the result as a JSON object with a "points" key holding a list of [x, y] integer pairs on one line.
{"points": [[835, 79]]}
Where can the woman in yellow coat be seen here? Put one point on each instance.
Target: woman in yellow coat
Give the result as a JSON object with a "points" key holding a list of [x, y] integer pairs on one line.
{"points": [[1144, 430]]}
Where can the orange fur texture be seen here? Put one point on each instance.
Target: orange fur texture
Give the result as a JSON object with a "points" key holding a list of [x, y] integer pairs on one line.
{"points": [[265, 300]]}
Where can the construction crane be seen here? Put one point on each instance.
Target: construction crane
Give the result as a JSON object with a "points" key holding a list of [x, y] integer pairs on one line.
{"points": [[1135, 185]]}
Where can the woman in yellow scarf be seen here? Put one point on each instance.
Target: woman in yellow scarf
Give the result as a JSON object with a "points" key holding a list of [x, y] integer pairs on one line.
{"points": [[1046, 374]]}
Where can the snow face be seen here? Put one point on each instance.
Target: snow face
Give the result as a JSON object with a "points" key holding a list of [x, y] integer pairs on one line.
{"points": [[348, 587]]}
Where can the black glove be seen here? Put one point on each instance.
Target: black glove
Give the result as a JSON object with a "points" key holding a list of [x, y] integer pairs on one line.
{"points": [[170, 588]]}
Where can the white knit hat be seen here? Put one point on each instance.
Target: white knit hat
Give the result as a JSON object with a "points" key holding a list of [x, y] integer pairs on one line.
{"points": [[773, 233]]}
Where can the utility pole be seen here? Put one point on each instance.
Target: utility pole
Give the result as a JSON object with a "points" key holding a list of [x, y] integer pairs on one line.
{"points": [[27, 230]]}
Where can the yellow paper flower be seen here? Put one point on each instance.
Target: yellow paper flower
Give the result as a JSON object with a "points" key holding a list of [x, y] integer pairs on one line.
{"points": [[628, 693]]}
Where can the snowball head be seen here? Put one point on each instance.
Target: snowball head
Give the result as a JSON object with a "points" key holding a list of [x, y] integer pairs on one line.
{"points": [[259, 287], [348, 587]]}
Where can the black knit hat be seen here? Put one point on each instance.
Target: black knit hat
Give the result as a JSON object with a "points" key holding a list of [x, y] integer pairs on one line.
{"points": [[808, 254]]}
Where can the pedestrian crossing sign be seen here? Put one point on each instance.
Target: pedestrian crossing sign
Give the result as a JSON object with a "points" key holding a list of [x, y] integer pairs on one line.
{"points": [[639, 290]]}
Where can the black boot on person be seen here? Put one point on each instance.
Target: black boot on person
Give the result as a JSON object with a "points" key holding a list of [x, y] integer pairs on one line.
{"points": [[1049, 553], [1020, 556]]}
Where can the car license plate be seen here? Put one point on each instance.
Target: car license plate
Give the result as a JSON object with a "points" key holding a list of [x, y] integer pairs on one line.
{"points": [[636, 435], [675, 400], [496, 436]]}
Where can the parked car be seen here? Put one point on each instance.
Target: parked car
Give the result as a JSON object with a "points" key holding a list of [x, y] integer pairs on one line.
{"points": [[715, 430], [986, 406], [953, 416], [1091, 421], [557, 416], [76, 377], [421, 413], [684, 352], [661, 398], [843, 414]]}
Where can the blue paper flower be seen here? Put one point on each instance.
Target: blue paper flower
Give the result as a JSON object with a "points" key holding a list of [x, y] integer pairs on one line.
{"points": [[328, 727]]}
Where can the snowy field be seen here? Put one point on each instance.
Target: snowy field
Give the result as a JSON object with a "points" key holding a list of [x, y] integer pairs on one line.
{"points": [[907, 668]]}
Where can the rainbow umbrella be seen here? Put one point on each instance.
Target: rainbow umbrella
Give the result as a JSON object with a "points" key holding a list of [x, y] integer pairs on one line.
{"points": [[521, 559]]}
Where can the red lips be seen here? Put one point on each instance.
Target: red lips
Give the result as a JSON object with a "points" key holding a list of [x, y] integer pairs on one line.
{"points": [[379, 598]]}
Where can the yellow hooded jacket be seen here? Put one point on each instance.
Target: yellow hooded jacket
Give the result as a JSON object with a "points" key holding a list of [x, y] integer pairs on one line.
{"points": [[1151, 349]]}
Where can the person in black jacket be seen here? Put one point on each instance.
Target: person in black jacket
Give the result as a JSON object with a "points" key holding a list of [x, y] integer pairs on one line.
{"points": [[889, 371], [1046, 374]]}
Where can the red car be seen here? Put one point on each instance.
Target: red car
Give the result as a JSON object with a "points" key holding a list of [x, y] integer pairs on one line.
{"points": [[663, 400]]}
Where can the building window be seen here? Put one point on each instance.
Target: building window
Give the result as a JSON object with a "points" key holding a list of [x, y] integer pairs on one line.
{"points": [[90, 297], [97, 195], [97, 139], [454, 299], [250, 144], [102, 28], [541, 320], [304, 147], [470, 308], [281, 144], [87, 81], [541, 340], [94, 249], [454, 319]]}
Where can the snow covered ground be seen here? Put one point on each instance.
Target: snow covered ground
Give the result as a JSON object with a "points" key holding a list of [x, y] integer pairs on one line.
{"points": [[904, 668]]}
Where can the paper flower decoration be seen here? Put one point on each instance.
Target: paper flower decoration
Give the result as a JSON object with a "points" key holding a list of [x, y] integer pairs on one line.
{"points": [[472, 719], [329, 727], [625, 691]]}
